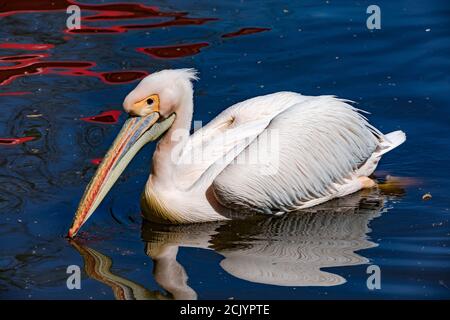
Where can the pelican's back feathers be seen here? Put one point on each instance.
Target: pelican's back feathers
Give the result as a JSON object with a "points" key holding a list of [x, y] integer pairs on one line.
{"points": [[321, 142]]}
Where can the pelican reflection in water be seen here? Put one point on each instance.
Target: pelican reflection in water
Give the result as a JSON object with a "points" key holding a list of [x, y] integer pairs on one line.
{"points": [[289, 250]]}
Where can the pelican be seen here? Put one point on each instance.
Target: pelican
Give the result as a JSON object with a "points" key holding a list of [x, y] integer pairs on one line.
{"points": [[270, 154]]}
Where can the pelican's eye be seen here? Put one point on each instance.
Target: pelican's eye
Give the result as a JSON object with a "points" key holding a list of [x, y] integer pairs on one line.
{"points": [[150, 101]]}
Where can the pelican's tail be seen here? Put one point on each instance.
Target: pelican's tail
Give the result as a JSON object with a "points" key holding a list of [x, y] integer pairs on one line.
{"points": [[391, 141], [388, 142]]}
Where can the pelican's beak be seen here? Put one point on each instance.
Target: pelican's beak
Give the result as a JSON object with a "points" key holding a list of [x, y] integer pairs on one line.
{"points": [[135, 133]]}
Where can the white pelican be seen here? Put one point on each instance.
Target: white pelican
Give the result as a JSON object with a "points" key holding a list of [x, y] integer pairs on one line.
{"points": [[324, 149]]}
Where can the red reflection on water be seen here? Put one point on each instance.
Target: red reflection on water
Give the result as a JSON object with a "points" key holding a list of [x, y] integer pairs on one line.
{"points": [[107, 117], [96, 161], [112, 11], [177, 21], [91, 30], [111, 15], [34, 66], [19, 58], [18, 6], [170, 52], [25, 65], [26, 46], [15, 141], [16, 93], [116, 11], [27, 6], [121, 76], [116, 77], [244, 31]]}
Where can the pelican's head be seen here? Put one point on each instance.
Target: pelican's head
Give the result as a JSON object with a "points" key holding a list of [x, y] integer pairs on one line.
{"points": [[162, 92], [152, 107]]}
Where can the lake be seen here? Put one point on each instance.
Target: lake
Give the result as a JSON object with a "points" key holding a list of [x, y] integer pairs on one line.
{"points": [[61, 94]]}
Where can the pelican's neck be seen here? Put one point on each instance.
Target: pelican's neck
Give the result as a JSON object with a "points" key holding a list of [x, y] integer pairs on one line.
{"points": [[171, 144]]}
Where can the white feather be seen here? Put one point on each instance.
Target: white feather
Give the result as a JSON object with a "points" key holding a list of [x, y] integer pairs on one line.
{"points": [[322, 142]]}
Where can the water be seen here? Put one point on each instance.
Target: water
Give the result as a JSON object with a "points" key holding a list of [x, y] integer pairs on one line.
{"points": [[50, 94]]}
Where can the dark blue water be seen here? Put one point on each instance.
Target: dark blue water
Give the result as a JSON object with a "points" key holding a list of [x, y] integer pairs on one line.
{"points": [[399, 73]]}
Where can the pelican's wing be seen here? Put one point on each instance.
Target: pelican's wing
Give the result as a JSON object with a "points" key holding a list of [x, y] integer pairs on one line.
{"points": [[319, 144], [215, 145]]}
